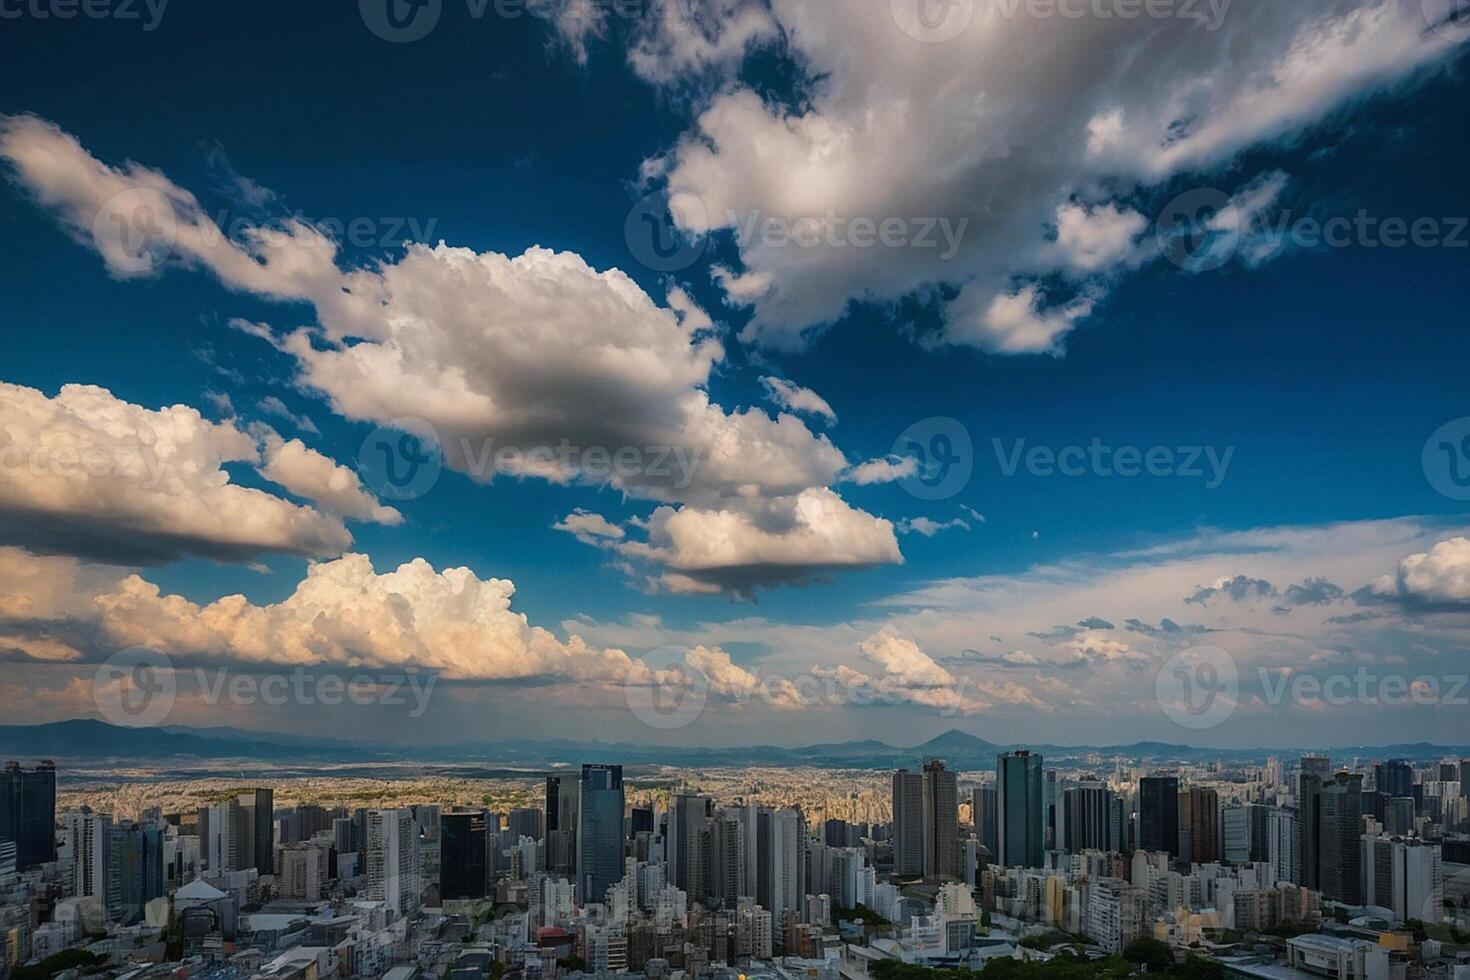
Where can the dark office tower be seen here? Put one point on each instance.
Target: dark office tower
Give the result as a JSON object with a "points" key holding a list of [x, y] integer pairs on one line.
{"points": [[1087, 813], [687, 843], [1449, 772], [525, 822], [1049, 803], [463, 848], [941, 822], [1019, 809], [641, 820], [835, 833], [1199, 825], [908, 824], [1310, 815], [553, 803], [1465, 777], [1394, 777], [1158, 814], [134, 870], [983, 805], [727, 857], [1398, 817], [28, 813], [599, 831], [1340, 855], [257, 827]]}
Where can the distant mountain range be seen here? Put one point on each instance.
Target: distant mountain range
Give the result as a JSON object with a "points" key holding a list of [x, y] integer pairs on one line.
{"points": [[85, 739]]}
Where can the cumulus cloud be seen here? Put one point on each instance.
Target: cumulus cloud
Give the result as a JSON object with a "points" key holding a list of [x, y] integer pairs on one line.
{"points": [[346, 614], [1044, 134], [783, 540], [1436, 579], [532, 366], [86, 473]]}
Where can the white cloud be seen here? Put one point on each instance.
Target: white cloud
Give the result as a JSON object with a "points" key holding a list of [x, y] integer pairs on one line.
{"points": [[788, 539], [345, 613], [929, 528], [534, 366], [1438, 577], [802, 401], [691, 37], [590, 528], [89, 474], [888, 469], [1007, 126], [307, 473]]}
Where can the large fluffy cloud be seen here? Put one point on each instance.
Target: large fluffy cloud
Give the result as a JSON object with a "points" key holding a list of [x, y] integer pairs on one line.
{"points": [[1438, 578], [87, 473], [1037, 136], [535, 365], [784, 540]]}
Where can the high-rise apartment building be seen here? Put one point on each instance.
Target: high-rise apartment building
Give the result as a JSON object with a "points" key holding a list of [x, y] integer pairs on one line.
{"points": [[393, 875]]}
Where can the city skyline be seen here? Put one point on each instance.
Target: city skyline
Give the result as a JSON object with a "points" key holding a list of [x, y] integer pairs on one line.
{"points": [[687, 385]]}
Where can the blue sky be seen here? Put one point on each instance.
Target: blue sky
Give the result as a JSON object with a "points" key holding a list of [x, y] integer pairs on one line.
{"points": [[1318, 372]]}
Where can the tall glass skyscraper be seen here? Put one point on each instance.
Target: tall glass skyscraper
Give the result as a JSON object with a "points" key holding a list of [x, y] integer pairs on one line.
{"points": [[462, 851], [28, 813], [600, 831], [1019, 810], [1158, 814]]}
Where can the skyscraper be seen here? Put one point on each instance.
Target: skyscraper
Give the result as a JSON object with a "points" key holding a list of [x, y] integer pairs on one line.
{"points": [[255, 831], [134, 870], [1339, 857], [1158, 814], [1087, 812], [1199, 825], [1310, 815], [28, 812], [393, 875], [908, 823], [941, 822], [983, 803], [780, 865], [599, 831], [1394, 777], [1284, 845], [687, 843], [463, 846], [1018, 810]]}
